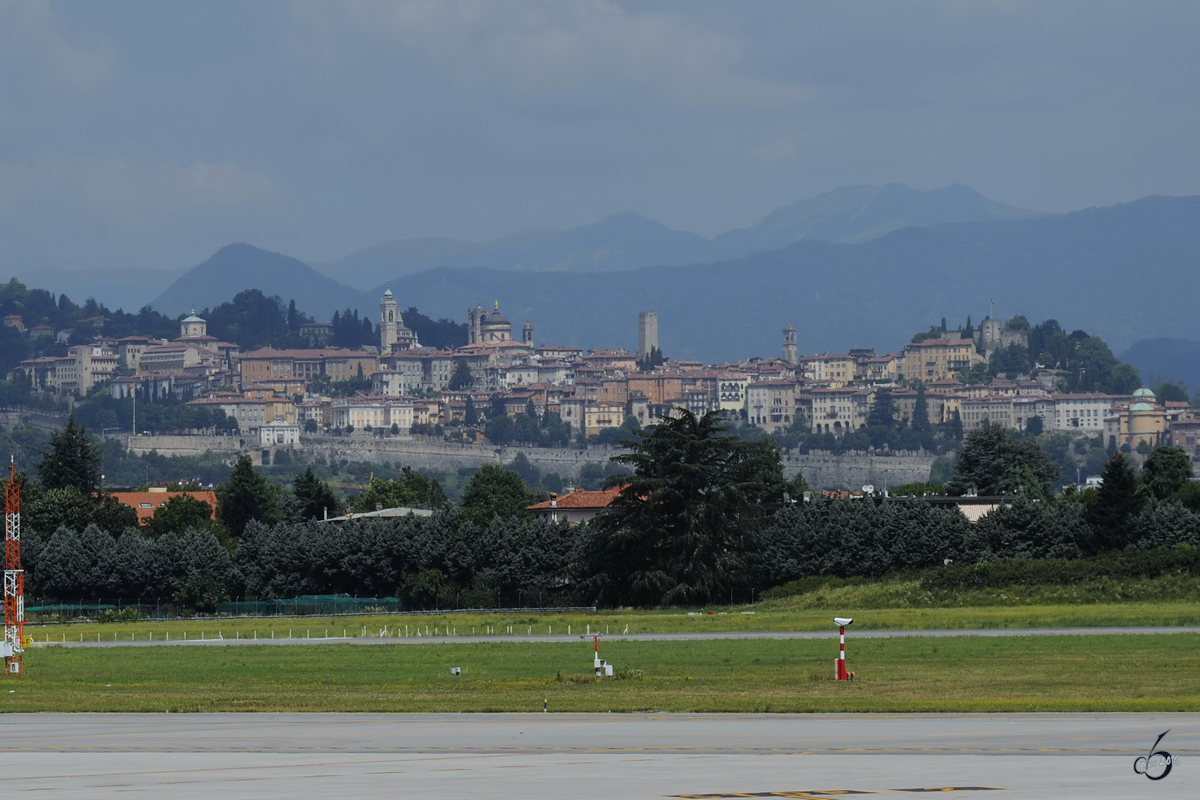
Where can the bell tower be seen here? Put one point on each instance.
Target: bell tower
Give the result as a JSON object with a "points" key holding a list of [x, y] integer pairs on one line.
{"points": [[789, 345], [388, 322]]}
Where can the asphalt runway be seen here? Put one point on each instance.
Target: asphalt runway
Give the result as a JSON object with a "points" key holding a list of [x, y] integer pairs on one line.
{"points": [[86, 641], [535, 756]]}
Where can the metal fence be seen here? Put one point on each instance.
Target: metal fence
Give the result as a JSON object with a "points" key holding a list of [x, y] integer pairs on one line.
{"points": [[324, 605], [309, 605]]}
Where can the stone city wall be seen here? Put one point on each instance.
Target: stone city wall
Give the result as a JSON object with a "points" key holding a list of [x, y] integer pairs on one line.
{"points": [[855, 470], [821, 470]]}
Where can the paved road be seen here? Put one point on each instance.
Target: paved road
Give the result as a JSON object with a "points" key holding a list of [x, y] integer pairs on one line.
{"points": [[593, 755], [631, 637]]}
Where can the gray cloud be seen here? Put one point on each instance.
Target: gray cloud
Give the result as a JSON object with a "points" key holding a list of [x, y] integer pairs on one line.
{"points": [[138, 133]]}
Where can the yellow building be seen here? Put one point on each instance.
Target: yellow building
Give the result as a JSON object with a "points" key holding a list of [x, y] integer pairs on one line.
{"points": [[834, 371], [269, 365], [598, 416], [1141, 421], [939, 359]]}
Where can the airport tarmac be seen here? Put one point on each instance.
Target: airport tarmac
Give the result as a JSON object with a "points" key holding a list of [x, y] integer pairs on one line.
{"points": [[595, 755]]}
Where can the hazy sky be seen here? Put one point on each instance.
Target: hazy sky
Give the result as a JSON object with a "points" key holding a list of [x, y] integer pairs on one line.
{"points": [[150, 134]]}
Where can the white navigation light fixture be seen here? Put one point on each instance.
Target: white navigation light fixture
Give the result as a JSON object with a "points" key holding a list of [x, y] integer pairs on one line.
{"points": [[842, 622]]}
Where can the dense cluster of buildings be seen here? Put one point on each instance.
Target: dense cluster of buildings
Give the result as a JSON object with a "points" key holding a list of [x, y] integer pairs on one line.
{"points": [[276, 394]]}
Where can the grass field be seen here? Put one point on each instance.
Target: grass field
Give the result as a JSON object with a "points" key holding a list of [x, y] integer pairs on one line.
{"points": [[789, 614], [961, 674]]}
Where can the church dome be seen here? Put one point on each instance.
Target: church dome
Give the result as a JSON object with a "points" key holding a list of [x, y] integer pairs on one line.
{"points": [[495, 319], [1144, 393], [1141, 407]]}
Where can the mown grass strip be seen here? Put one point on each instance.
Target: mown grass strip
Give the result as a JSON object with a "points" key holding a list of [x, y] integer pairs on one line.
{"points": [[960, 674], [791, 614]]}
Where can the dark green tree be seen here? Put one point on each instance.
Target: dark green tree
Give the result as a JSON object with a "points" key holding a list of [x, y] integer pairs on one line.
{"points": [[462, 378], [883, 410], [956, 426], [495, 492], [1189, 495], [411, 490], [1117, 502], [920, 417], [64, 507], [180, 514], [678, 532], [1017, 323], [251, 319], [1173, 392], [114, 517], [73, 460], [1034, 426], [314, 497], [652, 359], [994, 461], [471, 414], [500, 429], [1166, 471], [246, 496]]}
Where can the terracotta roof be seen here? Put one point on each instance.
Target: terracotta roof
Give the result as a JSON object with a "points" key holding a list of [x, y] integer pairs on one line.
{"points": [[145, 503], [268, 352], [582, 498], [943, 343]]}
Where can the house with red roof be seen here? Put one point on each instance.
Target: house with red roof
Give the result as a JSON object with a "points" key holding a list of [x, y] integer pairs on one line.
{"points": [[577, 506], [146, 503]]}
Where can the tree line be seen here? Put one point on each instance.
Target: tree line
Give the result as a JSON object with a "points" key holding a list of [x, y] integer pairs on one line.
{"points": [[703, 515]]}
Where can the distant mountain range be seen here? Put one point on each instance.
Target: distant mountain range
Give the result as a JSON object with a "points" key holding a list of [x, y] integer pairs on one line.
{"points": [[1104, 270], [1164, 359], [1124, 272], [627, 241]]}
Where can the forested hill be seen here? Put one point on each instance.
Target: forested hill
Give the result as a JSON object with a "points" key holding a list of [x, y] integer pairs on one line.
{"points": [[250, 319], [237, 267]]}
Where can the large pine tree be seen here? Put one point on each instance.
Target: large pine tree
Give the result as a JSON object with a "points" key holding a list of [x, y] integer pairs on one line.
{"points": [[1118, 501], [246, 496], [72, 461], [681, 530]]}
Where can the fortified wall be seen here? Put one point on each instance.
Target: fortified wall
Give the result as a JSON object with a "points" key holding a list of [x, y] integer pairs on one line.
{"points": [[821, 470], [855, 470]]}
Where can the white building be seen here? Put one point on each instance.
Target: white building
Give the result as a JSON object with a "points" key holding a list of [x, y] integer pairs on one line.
{"points": [[371, 413], [279, 432], [1081, 413]]}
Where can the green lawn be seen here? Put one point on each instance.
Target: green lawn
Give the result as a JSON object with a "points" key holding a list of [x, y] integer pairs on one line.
{"points": [[1071, 673], [780, 615]]}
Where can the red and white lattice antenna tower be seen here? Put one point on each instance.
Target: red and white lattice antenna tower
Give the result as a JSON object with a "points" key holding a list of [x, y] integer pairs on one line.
{"points": [[14, 578]]}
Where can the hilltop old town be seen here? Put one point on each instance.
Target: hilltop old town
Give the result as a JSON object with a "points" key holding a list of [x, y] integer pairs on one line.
{"points": [[277, 397]]}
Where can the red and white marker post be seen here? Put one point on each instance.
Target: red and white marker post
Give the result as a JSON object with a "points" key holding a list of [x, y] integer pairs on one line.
{"points": [[842, 622]]}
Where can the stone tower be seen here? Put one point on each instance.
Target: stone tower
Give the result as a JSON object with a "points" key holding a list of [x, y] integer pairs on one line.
{"points": [[474, 315], [387, 321], [647, 333], [789, 345], [394, 335], [527, 334]]}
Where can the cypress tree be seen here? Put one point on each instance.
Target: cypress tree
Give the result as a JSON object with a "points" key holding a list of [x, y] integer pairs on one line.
{"points": [[1118, 501]]}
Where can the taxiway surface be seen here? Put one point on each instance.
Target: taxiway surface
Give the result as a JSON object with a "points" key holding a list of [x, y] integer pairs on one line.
{"points": [[593, 755]]}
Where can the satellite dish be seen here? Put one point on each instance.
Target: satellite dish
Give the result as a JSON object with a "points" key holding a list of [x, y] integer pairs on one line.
{"points": [[868, 489]]}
